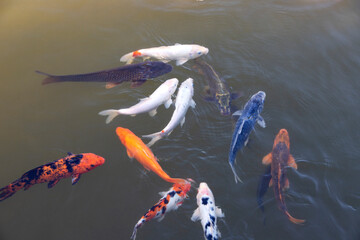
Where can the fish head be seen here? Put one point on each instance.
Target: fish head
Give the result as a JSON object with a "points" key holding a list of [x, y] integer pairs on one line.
{"points": [[123, 133], [223, 102], [184, 188], [156, 68], [256, 103], [90, 161], [188, 84], [171, 84], [282, 137], [198, 51], [204, 190]]}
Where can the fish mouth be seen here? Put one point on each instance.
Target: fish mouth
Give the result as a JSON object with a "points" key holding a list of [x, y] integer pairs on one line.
{"points": [[283, 136]]}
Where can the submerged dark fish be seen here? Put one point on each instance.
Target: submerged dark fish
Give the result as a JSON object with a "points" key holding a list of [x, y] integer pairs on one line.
{"points": [[263, 187], [280, 158], [218, 90], [72, 165], [137, 74]]}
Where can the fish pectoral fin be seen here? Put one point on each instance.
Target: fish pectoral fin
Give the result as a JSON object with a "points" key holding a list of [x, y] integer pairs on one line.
{"points": [[291, 162], [75, 178], [267, 159], [287, 184], [271, 182], [196, 215], [237, 113], [70, 153], [152, 112], [137, 83], [52, 183], [130, 154], [168, 103], [181, 61], [161, 218], [219, 212], [182, 122], [261, 122], [192, 103], [246, 142], [162, 193], [143, 99], [111, 85]]}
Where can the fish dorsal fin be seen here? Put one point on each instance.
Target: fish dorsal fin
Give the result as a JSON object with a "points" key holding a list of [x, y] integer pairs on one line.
{"points": [[75, 178], [137, 83], [219, 212], [111, 85], [52, 183], [168, 103], [196, 215], [267, 159], [291, 162]]}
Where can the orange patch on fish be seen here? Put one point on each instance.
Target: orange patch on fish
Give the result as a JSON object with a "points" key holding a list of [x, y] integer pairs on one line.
{"points": [[136, 54]]}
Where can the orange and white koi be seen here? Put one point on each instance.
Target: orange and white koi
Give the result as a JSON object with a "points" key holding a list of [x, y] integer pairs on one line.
{"points": [[170, 201], [72, 166], [142, 153], [279, 159], [181, 53]]}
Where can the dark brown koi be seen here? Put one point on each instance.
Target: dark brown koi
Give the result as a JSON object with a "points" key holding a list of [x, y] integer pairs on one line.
{"points": [[137, 74], [69, 166]]}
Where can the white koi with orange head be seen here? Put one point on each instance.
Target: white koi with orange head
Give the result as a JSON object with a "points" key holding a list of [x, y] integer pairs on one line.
{"points": [[180, 53], [207, 212]]}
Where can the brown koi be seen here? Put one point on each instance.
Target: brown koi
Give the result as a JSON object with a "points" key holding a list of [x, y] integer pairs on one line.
{"points": [[72, 166], [279, 159]]}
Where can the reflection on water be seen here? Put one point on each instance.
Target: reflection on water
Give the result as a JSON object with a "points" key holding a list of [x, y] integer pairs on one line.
{"points": [[303, 54]]}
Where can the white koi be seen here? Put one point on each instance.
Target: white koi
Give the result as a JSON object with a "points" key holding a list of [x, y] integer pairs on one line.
{"points": [[207, 212], [182, 102], [181, 53], [162, 95]]}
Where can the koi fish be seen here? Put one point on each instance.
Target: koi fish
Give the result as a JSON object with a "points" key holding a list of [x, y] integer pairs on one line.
{"points": [[207, 212], [244, 125], [263, 187], [181, 53], [137, 74], [279, 159], [162, 95], [170, 201], [182, 102], [217, 90], [142, 153], [72, 166]]}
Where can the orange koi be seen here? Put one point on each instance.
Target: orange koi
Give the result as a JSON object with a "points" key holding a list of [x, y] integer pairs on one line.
{"points": [[137, 149], [279, 159], [170, 201], [72, 166]]}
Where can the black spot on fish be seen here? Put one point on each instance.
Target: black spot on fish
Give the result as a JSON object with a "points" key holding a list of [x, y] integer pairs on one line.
{"points": [[212, 209], [166, 201], [209, 237], [48, 172], [172, 193], [178, 192], [53, 165], [92, 165], [204, 200], [212, 219], [40, 171], [163, 210], [207, 225], [68, 166], [76, 159]]}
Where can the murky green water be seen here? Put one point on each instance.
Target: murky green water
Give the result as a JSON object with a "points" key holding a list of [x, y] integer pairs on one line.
{"points": [[304, 54]]}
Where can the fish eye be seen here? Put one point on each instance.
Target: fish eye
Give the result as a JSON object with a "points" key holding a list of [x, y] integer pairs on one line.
{"points": [[199, 53]]}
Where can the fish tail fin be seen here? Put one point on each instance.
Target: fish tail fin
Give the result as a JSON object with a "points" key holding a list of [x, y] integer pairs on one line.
{"points": [[294, 220], [235, 175], [177, 180], [10, 189], [111, 114], [138, 225], [128, 58], [49, 79], [154, 138]]}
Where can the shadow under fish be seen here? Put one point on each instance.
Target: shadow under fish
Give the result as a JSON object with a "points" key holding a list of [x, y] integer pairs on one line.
{"points": [[137, 74], [262, 188], [217, 91]]}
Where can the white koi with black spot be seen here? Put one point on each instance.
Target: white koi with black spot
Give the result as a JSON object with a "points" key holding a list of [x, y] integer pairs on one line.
{"points": [[207, 212]]}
